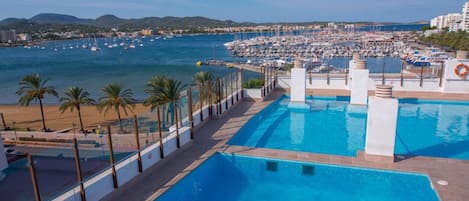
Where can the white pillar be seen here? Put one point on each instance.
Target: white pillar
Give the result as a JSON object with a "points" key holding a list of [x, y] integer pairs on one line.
{"points": [[298, 83], [381, 123], [351, 66], [359, 83], [3, 160]]}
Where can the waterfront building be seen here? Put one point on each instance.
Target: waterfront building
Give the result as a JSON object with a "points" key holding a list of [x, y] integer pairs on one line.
{"points": [[451, 21], [465, 17], [24, 37], [7, 36], [146, 32]]}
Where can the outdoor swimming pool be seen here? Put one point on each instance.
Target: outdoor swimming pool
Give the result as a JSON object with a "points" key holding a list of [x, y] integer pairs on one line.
{"points": [[332, 126], [232, 177]]}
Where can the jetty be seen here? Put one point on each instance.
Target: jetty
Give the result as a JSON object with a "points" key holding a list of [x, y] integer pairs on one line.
{"points": [[249, 67]]}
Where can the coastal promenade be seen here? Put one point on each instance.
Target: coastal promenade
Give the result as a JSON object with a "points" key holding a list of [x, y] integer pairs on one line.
{"points": [[213, 137]]}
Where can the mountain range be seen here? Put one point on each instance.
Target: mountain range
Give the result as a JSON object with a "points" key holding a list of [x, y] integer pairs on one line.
{"points": [[52, 21], [111, 21]]}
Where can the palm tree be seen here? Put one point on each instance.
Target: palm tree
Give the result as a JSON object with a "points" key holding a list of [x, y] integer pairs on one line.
{"points": [[33, 88], [116, 97], [201, 78], [161, 90], [73, 99]]}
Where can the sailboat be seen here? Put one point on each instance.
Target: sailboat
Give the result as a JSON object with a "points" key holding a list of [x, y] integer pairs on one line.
{"points": [[95, 47]]}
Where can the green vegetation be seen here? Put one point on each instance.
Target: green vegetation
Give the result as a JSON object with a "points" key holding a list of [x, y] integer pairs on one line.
{"points": [[162, 90], [117, 98], [452, 40], [288, 66], [33, 139], [425, 28], [253, 84], [74, 98], [34, 88], [202, 79]]}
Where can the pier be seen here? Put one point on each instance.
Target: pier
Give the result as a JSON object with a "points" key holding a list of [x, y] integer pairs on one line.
{"points": [[249, 67]]}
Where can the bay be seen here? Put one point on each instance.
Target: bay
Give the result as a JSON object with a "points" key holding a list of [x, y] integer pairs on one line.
{"points": [[72, 65], [67, 67]]}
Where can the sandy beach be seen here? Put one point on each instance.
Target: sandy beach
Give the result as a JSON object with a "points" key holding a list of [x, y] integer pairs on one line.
{"points": [[30, 117]]}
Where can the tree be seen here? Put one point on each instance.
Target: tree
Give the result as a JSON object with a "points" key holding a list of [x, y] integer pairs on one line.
{"points": [[452, 40], [34, 88], [116, 97], [162, 90], [73, 99], [202, 78]]}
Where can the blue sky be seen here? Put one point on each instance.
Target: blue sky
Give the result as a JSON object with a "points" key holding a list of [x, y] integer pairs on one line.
{"points": [[241, 10]]}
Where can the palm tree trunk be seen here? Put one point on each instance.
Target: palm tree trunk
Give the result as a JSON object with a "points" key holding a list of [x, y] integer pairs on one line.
{"points": [[81, 121], [160, 133], [178, 143], [42, 115], [120, 120]]}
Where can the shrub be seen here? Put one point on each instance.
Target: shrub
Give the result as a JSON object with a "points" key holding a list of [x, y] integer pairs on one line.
{"points": [[253, 84]]}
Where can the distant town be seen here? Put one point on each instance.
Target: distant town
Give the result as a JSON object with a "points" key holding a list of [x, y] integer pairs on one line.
{"points": [[43, 27], [19, 32]]}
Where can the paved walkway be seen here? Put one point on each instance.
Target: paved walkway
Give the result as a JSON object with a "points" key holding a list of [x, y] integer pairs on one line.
{"points": [[212, 137]]}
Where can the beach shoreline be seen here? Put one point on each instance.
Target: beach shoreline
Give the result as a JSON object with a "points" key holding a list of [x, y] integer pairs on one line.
{"points": [[30, 117]]}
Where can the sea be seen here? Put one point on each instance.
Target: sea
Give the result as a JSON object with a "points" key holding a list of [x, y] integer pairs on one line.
{"points": [[66, 64]]}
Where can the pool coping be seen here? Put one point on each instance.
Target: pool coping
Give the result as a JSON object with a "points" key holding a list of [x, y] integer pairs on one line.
{"points": [[213, 137]]}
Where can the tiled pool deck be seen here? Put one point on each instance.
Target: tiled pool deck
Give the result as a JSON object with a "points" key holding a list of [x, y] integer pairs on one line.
{"points": [[214, 135]]}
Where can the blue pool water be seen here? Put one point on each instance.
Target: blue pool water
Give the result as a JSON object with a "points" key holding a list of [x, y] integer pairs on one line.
{"points": [[332, 126], [240, 178]]}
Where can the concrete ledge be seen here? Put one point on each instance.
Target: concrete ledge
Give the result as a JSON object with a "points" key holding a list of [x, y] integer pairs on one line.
{"points": [[375, 158]]}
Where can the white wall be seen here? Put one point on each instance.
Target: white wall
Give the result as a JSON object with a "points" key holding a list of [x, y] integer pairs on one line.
{"points": [[3, 158], [185, 135], [321, 83], [409, 84], [169, 144], [452, 82], [102, 184], [150, 155], [284, 82], [253, 93]]}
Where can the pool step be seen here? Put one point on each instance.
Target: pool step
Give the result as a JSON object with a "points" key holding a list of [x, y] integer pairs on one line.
{"points": [[261, 129]]}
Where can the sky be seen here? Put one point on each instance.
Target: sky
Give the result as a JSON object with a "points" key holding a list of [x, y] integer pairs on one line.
{"points": [[241, 10]]}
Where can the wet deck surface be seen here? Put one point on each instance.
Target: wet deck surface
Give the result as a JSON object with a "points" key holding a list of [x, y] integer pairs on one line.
{"points": [[213, 136]]}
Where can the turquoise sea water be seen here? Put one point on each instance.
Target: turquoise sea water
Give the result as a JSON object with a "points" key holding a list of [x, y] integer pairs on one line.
{"points": [[92, 70], [333, 126], [133, 67], [241, 178]]}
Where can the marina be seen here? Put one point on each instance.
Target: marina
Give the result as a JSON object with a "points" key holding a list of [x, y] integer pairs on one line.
{"points": [[322, 44], [153, 108]]}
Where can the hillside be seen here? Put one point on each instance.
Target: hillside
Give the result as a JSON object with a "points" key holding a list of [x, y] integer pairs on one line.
{"points": [[49, 20], [58, 22]]}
